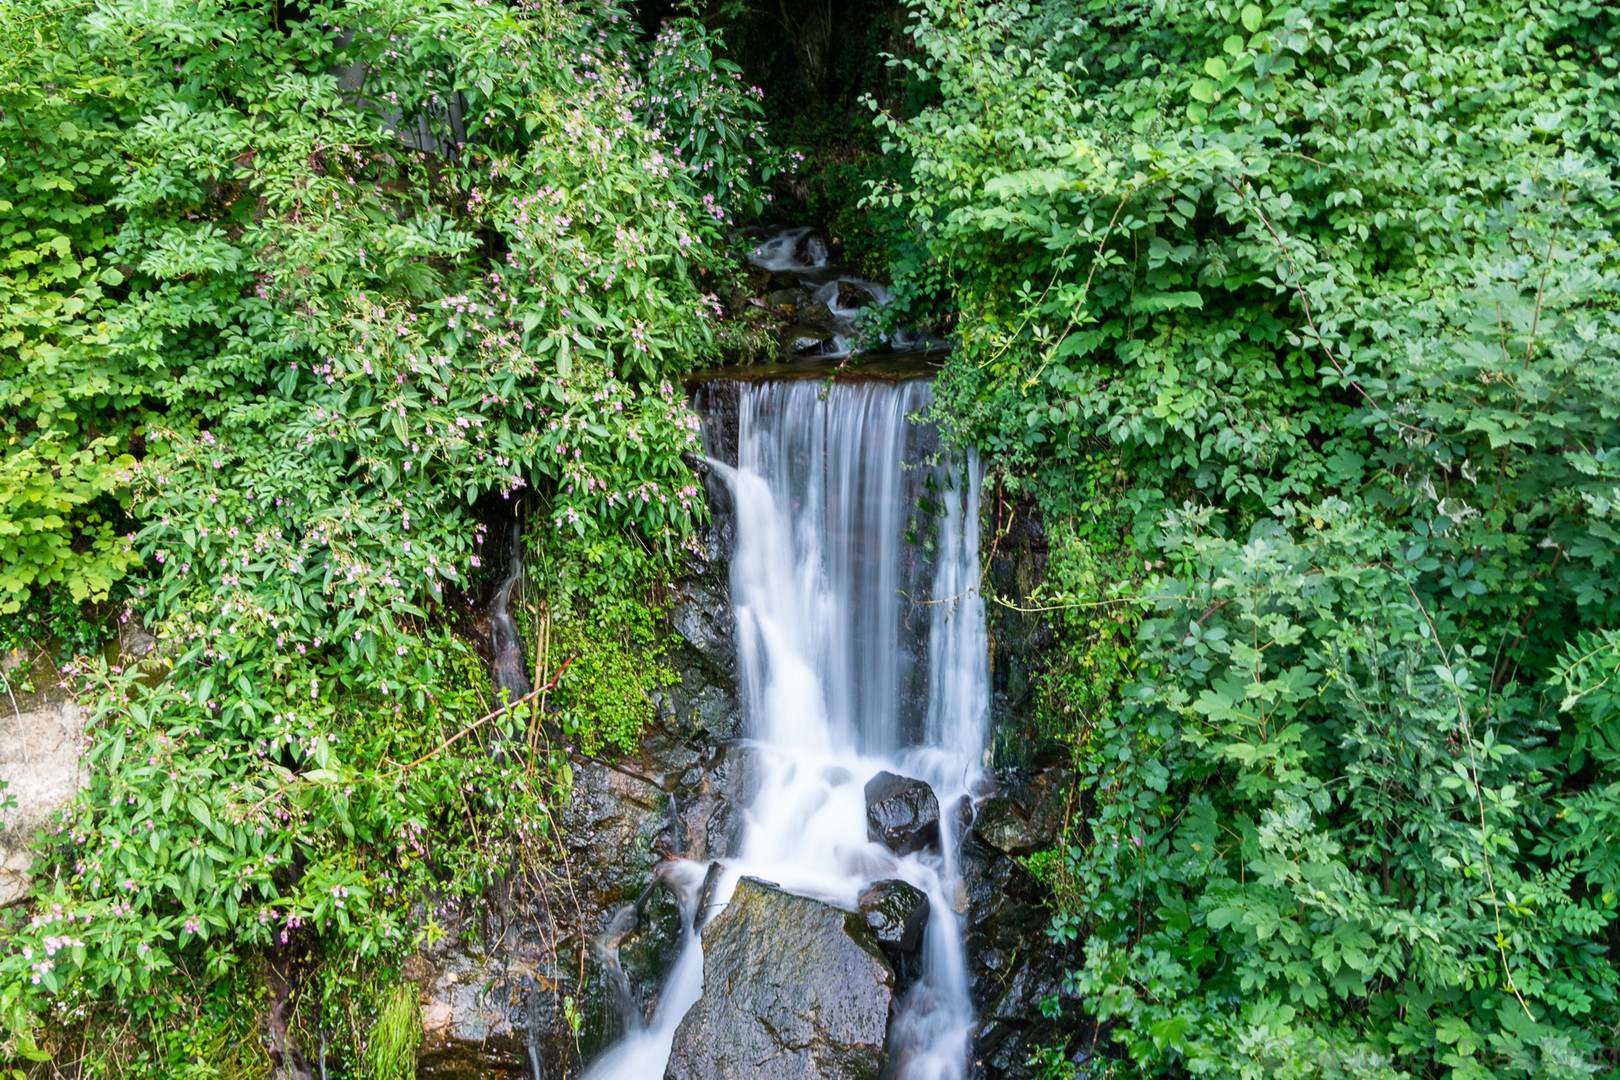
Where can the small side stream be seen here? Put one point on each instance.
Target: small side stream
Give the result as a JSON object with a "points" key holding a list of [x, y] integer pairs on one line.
{"points": [[823, 301]]}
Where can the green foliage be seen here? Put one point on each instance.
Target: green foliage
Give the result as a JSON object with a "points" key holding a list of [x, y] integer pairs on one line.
{"points": [[1094, 656], [52, 537], [291, 303], [597, 625], [1319, 301], [1315, 822], [260, 810], [606, 693], [701, 102], [58, 164], [391, 1049], [54, 628]]}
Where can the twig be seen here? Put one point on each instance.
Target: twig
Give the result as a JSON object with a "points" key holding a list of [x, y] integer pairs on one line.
{"points": [[22, 733], [482, 720], [1299, 287]]}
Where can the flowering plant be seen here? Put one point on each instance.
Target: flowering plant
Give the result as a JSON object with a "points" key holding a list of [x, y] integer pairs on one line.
{"points": [[385, 271]]}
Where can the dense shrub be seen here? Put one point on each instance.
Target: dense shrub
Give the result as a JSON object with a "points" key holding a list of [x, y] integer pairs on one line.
{"points": [[293, 297], [1314, 306]]}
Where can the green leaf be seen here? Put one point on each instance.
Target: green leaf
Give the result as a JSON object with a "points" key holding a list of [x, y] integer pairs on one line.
{"points": [[1169, 301]]}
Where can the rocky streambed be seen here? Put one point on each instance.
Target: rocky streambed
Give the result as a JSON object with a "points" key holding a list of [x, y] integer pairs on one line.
{"points": [[795, 987]]}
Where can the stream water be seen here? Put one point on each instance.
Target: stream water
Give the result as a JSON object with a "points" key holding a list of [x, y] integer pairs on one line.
{"points": [[829, 287], [510, 670], [859, 650]]}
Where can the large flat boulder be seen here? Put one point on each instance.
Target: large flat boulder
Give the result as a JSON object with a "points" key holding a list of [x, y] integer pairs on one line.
{"points": [[793, 989]]}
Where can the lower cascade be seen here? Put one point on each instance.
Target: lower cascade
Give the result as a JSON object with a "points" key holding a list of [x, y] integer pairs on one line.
{"points": [[829, 944]]}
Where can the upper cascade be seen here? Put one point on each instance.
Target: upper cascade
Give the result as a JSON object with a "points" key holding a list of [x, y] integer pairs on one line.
{"points": [[822, 299]]}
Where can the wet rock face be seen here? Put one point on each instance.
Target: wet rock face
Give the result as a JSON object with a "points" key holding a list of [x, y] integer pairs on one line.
{"points": [[901, 813], [702, 706], [1030, 815], [896, 913], [1018, 639], [710, 803], [466, 1027], [456, 1063], [611, 822], [794, 989], [493, 986], [1013, 965], [501, 979]]}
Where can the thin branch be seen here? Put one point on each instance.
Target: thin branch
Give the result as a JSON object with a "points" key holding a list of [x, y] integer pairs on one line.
{"points": [[1299, 287], [1473, 768]]}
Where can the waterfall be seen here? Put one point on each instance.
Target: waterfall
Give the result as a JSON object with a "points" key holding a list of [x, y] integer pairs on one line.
{"points": [[861, 648]]}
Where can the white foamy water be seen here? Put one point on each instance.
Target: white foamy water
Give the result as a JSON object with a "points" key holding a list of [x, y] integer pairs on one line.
{"points": [[858, 651], [803, 253]]}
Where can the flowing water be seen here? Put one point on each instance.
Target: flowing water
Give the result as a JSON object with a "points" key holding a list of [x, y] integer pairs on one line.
{"points": [[861, 648], [510, 671], [802, 253]]}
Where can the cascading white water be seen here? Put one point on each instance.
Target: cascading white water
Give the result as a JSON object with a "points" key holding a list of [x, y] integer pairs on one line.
{"points": [[856, 654], [844, 294]]}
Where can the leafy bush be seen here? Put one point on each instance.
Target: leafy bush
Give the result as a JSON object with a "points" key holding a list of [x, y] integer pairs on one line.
{"points": [[1320, 301], [701, 103], [1309, 849], [59, 453], [347, 278]]}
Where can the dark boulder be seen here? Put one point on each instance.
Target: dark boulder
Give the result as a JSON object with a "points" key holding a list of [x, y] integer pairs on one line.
{"points": [[1003, 825], [794, 989], [817, 316], [852, 294], [901, 813], [896, 913], [800, 339], [1029, 815], [789, 300], [1008, 909]]}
